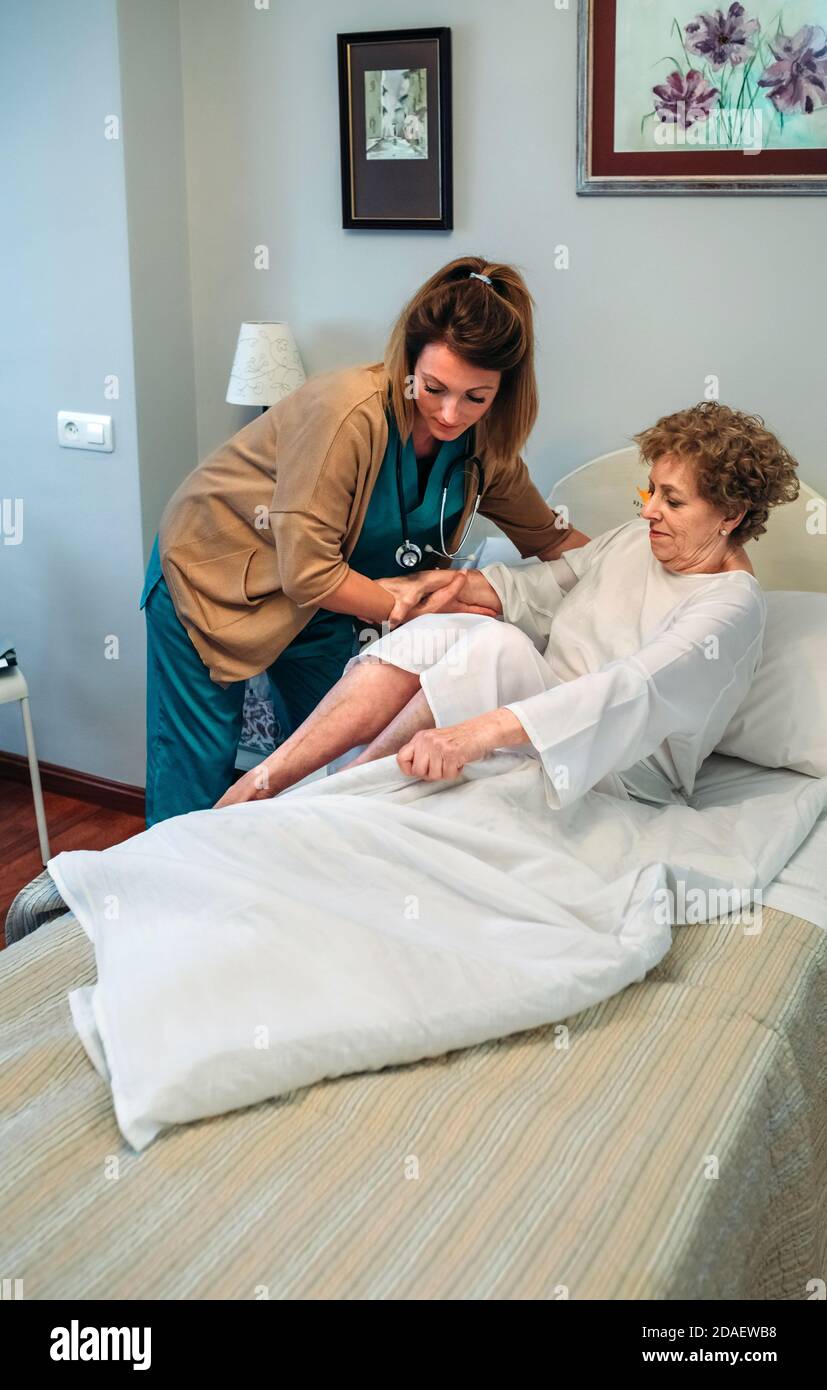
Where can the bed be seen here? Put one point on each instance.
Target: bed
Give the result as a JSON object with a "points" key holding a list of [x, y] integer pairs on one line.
{"points": [[667, 1143]]}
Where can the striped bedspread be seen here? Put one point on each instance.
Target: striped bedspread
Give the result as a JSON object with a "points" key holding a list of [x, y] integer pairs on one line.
{"points": [[668, 1143]]}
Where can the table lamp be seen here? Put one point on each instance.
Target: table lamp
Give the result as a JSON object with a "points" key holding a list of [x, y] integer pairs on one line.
{"points": [[266, 366]]}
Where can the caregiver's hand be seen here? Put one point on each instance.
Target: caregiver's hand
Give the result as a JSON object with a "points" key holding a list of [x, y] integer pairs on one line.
{"points": [[437, 755], [408, 591], [253, 786], [440, 591]]}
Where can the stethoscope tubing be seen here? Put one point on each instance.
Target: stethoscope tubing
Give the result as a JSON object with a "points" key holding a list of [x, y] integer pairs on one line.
{"points": [[409, 547]]}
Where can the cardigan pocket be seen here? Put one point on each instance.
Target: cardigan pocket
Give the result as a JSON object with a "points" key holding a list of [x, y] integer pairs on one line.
{"points": [[220, 587]]}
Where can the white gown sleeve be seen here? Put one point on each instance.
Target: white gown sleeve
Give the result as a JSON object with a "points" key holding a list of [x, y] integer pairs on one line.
{"points": [[531, 594], [683, 686], [580, 558]]}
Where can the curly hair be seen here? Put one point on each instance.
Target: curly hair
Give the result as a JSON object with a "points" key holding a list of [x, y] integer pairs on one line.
{"points": [[490, 326], [738, 462]]}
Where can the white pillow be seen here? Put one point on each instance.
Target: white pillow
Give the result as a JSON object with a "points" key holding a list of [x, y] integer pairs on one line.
{"points": [[782, 722]]}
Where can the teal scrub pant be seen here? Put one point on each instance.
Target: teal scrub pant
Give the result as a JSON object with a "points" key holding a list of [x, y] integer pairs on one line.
{"points": [[193, 725]]}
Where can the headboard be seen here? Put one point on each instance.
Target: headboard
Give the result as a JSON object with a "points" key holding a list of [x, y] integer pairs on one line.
{"points": [[791, 554]]}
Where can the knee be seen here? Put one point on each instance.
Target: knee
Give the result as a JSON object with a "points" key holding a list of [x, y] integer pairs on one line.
{"points": [[421, 642], [357, 660], [501, 640], [383, 658]]}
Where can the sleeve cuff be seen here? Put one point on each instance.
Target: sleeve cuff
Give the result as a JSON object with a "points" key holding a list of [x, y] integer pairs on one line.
{"points": [[318, 599], [555, 801], [493, 573]]}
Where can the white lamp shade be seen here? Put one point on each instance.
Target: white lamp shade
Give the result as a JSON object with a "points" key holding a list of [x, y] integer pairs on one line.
{"points": [[266, 366]]}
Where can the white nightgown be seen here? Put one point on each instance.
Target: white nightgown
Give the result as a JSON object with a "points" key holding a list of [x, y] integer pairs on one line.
{"points": [[623, 674]]}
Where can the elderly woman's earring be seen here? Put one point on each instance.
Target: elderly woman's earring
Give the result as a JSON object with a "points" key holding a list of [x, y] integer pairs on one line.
{"points": [[723, 531]]}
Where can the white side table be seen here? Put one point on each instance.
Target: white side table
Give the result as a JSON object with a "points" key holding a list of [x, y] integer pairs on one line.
{"points": [[13, 687]]}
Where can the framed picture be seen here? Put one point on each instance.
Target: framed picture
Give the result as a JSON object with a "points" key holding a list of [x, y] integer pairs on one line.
{"points": [[395, 124], [673, 98]]}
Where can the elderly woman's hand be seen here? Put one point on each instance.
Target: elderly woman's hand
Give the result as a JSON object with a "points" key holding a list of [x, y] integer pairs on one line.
{"points": [[437, 755], [253, 786]]}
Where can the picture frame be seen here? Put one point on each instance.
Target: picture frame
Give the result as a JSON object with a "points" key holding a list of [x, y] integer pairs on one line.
{"points": [[677, 99], [395, 129]]}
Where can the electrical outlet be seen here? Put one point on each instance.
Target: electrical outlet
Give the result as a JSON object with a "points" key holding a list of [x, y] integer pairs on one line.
{"points": [[78, 430]]}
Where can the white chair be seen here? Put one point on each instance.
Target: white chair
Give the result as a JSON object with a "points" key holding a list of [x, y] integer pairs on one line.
{"points": [[13, 687]]}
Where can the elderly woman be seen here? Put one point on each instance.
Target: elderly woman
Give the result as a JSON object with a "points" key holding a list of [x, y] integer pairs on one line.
{"points": [[621, 662]]}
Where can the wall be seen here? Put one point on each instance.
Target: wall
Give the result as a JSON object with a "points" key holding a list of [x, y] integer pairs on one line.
{"points": [[159, 270], [74, 580]]}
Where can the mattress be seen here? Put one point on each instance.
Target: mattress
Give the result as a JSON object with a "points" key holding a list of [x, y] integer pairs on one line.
{"points": [[667, 1143]]}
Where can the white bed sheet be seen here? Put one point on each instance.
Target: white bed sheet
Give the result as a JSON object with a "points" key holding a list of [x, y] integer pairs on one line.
{"points": [[801, 886]]}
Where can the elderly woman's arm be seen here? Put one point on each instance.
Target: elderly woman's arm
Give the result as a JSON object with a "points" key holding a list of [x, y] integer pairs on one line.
{"points": [[526, 596], [683, 685], [529, 595]]}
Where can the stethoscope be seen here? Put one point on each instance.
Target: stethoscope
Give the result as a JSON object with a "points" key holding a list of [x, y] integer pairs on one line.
{"points": [[409, 554]]}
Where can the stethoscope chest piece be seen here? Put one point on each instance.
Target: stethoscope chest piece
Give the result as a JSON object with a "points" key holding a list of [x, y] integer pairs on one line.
{"points": [[408, 555]]}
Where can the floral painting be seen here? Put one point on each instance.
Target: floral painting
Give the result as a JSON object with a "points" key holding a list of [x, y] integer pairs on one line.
{"points": [[750, 76], [673, 98]]}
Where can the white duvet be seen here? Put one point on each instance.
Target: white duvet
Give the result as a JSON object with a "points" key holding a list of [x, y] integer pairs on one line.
{"points": [[368, 919]]}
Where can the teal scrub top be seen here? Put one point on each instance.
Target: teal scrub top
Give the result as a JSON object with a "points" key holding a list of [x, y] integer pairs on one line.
{"points": [[374, 554], [375, 551]]}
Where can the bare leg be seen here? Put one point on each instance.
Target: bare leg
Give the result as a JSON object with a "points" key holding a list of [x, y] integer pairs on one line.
{"points": [[357, 708], [414, 716]]}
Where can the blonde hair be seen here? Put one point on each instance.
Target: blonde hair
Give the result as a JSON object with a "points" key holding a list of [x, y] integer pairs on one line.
{"points": [[738, 462], [490, 326]]}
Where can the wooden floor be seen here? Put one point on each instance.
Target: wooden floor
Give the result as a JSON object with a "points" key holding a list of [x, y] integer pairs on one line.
{"points": [[72, 825]]}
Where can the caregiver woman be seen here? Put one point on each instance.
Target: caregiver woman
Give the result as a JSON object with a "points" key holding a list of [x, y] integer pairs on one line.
{"points": [[274, 546]]}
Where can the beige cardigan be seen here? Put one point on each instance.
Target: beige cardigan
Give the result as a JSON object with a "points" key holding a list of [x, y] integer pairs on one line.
{"points": [[258, 535]]}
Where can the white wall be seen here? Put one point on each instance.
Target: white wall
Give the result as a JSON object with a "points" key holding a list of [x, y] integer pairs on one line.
{"points": [[74, 579], [159, 270]]}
